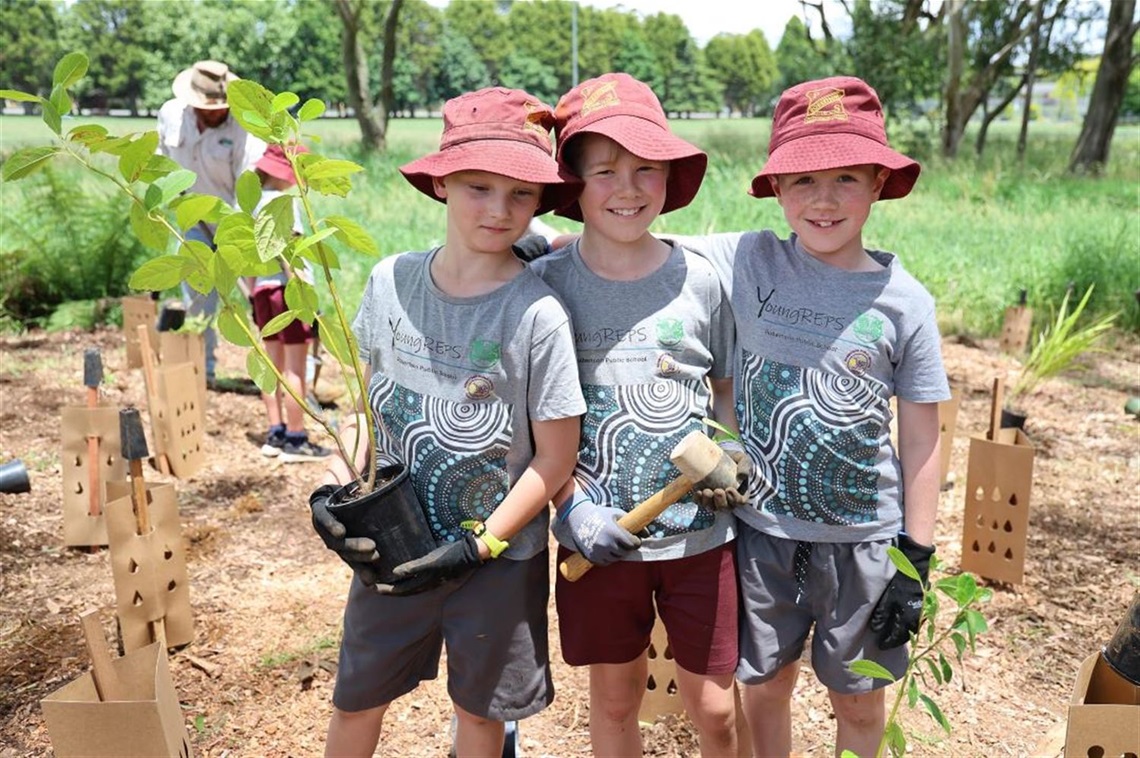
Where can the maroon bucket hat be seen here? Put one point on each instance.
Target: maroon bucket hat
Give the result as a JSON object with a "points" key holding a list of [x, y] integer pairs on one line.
{"points": [[828, 124], [500, 131], [626, 110], [276, 164]]}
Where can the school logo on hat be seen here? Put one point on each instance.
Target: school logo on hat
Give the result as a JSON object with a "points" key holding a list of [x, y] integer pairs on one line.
{"points": [[537, 116], [824, 104], [604, 95]]}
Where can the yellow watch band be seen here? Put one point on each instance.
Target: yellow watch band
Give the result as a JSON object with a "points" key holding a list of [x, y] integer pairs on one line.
{"points": [[495, 545]]}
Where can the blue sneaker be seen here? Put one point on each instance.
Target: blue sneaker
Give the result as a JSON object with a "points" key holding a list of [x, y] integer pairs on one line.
{"points": [[274, 441], [302, 452]]}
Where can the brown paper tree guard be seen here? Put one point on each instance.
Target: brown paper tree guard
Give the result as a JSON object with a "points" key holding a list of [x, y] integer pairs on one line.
{"points": [[147, 722], [186, 347], [176, 414], [138, 310], [77, 426], [661, 696], [947, 425], [999, 481], [1015, 327]]}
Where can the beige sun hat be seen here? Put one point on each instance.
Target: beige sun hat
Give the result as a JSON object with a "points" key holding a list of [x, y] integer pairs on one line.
{"points": [[203, 85]]}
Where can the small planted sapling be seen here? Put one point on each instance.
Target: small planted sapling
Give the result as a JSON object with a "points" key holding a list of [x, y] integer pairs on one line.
{"points": [[247, 245], [931, 649]]}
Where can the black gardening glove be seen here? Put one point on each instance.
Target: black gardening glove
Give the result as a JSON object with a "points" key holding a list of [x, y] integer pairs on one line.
{"points": [[358, 552], [899, 610], [530, 247], [719, 497], [445, 562]]}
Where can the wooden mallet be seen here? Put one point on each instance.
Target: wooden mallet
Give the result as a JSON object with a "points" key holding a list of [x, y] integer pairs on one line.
{"points": [[92, 378], [108, 686], [134, 451], [698, 458]]}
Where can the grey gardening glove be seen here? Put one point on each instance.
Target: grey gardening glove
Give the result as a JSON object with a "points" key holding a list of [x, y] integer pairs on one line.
{"points": [[358, 552], [719, 497], [897, 615], [595, 531], [446, 562]]}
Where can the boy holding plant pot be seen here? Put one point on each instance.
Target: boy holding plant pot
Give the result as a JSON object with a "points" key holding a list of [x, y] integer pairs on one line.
{"points": [[827, 331], [474, 388]]}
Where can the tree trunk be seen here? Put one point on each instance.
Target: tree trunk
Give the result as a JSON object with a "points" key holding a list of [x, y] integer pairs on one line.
{"points": [[954, 124], [373, 118], [1091, 151], [989, 116], [1030, 76]]}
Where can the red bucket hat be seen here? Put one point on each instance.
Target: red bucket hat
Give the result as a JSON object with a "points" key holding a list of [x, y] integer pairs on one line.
{"points": [[501, 131], [274, 162], [626, 110], [828, 124]]}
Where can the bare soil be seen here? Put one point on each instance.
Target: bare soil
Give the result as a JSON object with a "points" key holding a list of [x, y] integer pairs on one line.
{"points": [[267, 597]]}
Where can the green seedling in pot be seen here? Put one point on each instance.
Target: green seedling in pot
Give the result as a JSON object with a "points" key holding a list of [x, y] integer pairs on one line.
{"points": [[162, 211]]}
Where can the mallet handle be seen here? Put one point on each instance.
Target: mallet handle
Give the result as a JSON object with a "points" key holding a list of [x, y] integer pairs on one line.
{"points": [[574, 567]]}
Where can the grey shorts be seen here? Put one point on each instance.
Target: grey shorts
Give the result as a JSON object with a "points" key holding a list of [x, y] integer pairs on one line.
{"points": [[493, 623], [843, 582]]}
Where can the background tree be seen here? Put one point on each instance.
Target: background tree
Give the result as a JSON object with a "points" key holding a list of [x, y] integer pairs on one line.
{"points": [[634, 57], [313, 55], [1116, 65], [117, 36], [899, 46], [746, 67], [670, 41], [520, 71], [484, 24], [800, 59], [371, 115], [460, 68], [539, 32], [418, 38], [29, 44]]}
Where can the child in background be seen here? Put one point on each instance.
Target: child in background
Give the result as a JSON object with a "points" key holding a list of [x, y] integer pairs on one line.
{"points": [[475, 390], [826, 333], [288, 348], [653, 331]]}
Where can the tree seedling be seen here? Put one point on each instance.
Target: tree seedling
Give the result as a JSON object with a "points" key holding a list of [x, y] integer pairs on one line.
{"points": [[929, 656], [162, 210]]}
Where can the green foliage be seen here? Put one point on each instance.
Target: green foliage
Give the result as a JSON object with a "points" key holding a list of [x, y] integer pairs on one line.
{"points": [[29, 43], [932, 649], [745, 65], [1060, 344]]}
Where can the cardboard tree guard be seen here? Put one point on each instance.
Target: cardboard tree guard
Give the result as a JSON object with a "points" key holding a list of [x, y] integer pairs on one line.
{"points": [[138, 310], [995, 525], [186, 347], [1015, 329], [148, 723], [152, 587], [80, 526], [176, 413], [661, 696], [947, 425], [1104, 713]]}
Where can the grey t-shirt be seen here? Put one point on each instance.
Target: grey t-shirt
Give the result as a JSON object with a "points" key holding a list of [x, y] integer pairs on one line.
{"points": [[819, 353], [645, 348], [456, 383]]}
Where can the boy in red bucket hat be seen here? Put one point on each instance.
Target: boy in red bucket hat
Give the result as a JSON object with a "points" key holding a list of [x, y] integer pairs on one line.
{"points": [[288, 348], [652, 329], [474, 388], [826, 333]]}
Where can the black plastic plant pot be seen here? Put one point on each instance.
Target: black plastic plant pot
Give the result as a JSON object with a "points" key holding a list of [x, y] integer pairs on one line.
{"points": [[1123, 651], [14, 478], [390, 516], [171, 319], [1012, 419]]}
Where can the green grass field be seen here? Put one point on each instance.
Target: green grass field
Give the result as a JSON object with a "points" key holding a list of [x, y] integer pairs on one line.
{"points": [[975, 231]]}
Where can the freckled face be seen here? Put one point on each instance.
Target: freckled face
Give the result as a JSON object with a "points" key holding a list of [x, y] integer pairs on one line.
{"points": [[827, 209], [486, 211]]}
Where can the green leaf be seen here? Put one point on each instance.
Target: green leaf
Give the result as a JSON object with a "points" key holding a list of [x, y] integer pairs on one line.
{"points": [[976, 622], [85, 133], [935, 712], [248, 97], [252, 119], [236, 229], [261, 372], [109, 144], [230, 327], [70, 69], [911, 692], [273, 227], [150, 232], [60, 100], [27, 161], [135, 156], [959, 644], [278, 322], [313, 239], [352, 234], [248, 191], [333, 339], [902, 563], [312, 109], [301, 297], [896, 739], [947, 671], [158, 274], [193, 208], [158, 166], [934, 670], [283, 102], [51, 116], [153, 197], [862, 667], [321, 254], [224, 276], [330, 168], [23, 97], [174, 184]]}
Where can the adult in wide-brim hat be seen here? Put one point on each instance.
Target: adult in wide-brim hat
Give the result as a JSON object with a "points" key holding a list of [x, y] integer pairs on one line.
{"points": [[203, 85]]}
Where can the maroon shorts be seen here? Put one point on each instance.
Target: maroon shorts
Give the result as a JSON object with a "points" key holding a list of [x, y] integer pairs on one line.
{"points": [[269, 302], [607, 616]]}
